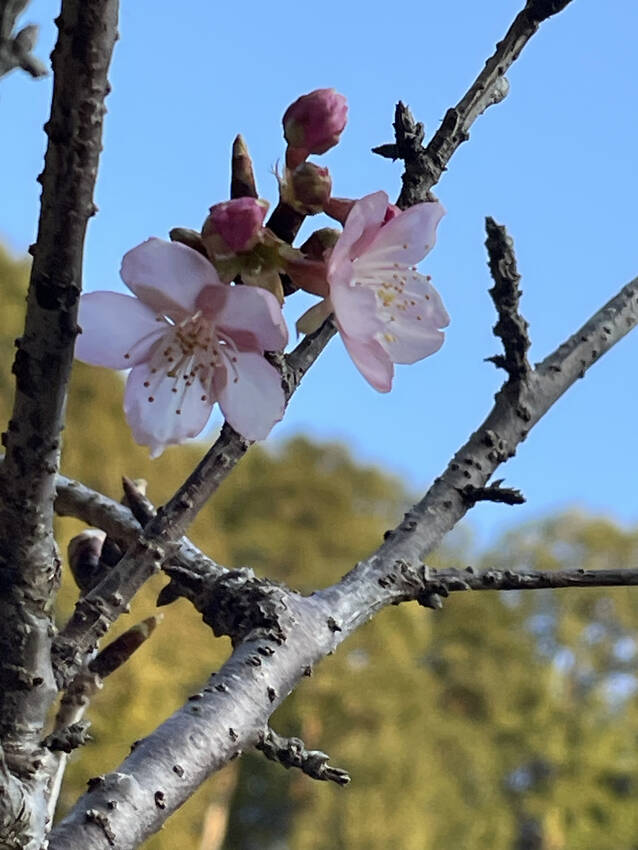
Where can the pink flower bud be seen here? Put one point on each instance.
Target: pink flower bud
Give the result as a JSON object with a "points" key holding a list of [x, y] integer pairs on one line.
{"points": [[314, 122], [309, 187], [233, 227]]}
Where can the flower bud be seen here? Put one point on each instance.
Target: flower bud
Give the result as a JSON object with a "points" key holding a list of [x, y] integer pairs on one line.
{"points": [[322, 241], [314, 122], [188, 237], [233, 227], [308, 188], [84, 552]]}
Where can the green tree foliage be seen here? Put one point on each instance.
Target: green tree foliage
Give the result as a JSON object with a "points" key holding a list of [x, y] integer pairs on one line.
{"points": [[501, 722]]}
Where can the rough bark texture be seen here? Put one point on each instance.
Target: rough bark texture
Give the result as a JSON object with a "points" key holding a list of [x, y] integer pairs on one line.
{"points": [[29, 562], [279, 635]]}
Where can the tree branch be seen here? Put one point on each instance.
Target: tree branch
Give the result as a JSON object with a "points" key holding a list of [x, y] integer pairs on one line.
{"points": [[29, 562], [140, 563], [450, 580], [106, 601], [424, 166], [280, 635]]}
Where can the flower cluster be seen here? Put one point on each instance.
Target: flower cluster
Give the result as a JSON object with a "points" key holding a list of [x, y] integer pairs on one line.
{"points": [[207, 307]]}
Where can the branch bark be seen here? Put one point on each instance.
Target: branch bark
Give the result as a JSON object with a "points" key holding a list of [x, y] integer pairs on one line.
{"points": [[425, 165], [280, 635], [29, 562]]}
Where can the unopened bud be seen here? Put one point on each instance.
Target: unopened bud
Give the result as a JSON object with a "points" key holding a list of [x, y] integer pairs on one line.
{"points": [[321, 242], [188, 237], [242, 183], [84, 552], [308, 188], [314, 122], [233, 227]]}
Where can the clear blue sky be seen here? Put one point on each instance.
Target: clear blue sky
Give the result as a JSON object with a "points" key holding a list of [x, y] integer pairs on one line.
{"points": [[555, 162]]}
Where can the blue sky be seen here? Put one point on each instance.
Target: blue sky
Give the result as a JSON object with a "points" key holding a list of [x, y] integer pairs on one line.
{"points": [[555, 162]]}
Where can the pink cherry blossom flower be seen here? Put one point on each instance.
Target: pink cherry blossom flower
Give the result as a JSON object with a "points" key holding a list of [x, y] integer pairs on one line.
{"points": [[386, 312], [191, 341]]}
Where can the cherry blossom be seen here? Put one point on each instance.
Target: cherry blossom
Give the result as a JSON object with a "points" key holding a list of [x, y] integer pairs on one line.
{"points": [[191, 341], [386, 312]]}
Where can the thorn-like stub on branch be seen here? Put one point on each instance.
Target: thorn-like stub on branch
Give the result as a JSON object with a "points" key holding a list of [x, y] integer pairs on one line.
{"points": [[68, 739], [493, 493], [511, 327], [235, 603], [291, 752], [389, 151], [100, 819]]}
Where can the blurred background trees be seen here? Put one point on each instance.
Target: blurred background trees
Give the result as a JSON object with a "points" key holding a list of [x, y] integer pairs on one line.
{"points": [[503, 721]]}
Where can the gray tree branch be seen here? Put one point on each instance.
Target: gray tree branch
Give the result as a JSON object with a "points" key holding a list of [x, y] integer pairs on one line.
{"points": [[425, 165], [280, 635], [29, 562]]}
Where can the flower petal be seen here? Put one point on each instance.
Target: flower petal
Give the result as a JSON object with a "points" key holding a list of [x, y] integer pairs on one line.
{"points": [[372, 361], [118, 331], [407, 237], [250, 395], [356, 310], [413, 344], [157, 423], [249, 315], [366, 215], [168, 276], [413, 333]]}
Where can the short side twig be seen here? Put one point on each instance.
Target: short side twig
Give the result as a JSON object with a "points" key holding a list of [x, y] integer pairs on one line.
{"points": [[424, 165], [291, 752], [511, 327], [492, 493]]}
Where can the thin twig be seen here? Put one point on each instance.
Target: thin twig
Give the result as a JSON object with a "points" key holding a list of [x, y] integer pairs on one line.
{"points": [[395, 565], [511, 326], [173, 519], [497, 579], [292, 752], [425, 165], [492, 493]]}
